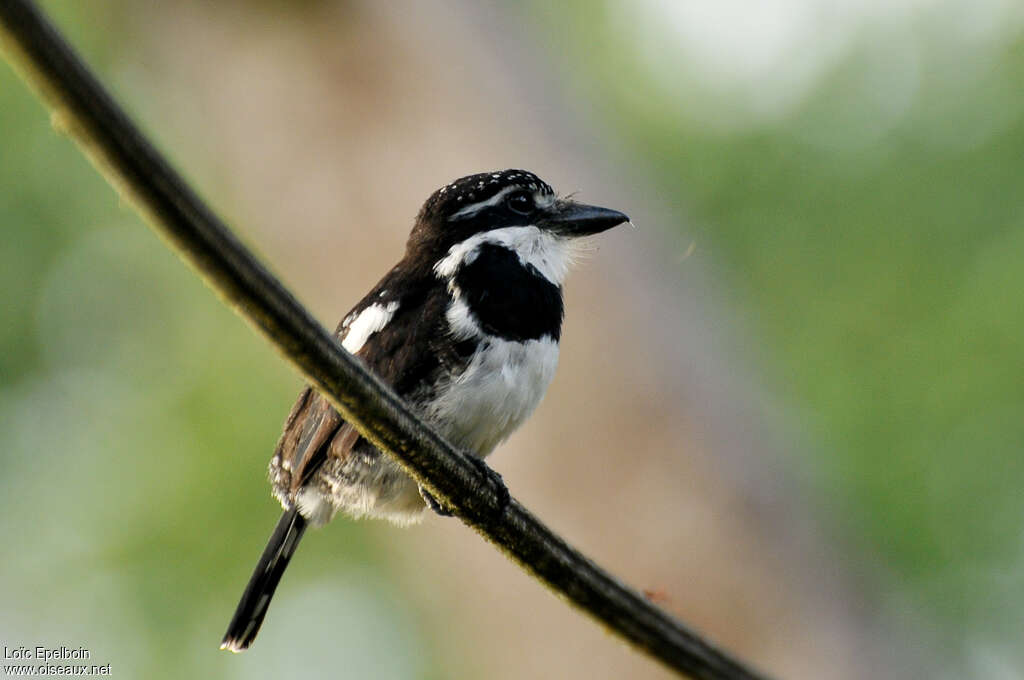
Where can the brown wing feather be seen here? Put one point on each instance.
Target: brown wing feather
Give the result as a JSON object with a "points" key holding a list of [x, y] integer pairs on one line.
{"points": [[308, 430], [405, 354]]}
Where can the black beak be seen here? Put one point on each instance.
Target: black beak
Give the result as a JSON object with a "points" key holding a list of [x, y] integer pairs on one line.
{"points": [[579, 219]]}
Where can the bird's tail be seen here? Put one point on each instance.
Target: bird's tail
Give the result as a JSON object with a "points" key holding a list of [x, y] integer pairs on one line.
{"points": [[256, 598]]}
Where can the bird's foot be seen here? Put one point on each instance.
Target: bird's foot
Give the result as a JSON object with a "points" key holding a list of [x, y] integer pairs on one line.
{"points": [[496, 481], [433, 504]]}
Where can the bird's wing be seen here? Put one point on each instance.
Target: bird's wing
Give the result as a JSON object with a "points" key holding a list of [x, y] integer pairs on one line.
{"points": [[405, 353]]}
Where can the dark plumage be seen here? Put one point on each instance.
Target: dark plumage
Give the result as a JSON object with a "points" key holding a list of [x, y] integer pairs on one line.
{"points": [[465, 328]]}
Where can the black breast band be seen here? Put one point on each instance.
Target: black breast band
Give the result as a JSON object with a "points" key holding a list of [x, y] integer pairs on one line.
{"points": [[509, 299]]}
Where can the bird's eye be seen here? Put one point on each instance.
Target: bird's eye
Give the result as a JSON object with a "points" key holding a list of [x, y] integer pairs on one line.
{"points": [[520, 202]]}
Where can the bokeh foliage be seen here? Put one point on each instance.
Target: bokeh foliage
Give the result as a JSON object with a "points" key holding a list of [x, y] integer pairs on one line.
{"points": [[876, 261], [136, 412]]}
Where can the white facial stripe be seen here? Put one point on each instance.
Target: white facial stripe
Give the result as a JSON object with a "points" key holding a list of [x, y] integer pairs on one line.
{"points": [[474, 208], [543, 199], [547, 253], [369, 321]]}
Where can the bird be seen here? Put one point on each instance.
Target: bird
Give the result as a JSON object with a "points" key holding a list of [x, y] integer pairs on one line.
{"points": [[465, 328]]}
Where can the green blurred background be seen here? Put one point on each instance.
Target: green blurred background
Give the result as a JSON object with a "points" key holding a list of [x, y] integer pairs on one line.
{"points": [[850, 173]]}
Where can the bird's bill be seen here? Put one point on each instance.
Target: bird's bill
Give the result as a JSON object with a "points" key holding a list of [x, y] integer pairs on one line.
{"points": [[579, 219]]}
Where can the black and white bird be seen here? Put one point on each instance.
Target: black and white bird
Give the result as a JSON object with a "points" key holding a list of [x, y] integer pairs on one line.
{"points": [[465, 328]]}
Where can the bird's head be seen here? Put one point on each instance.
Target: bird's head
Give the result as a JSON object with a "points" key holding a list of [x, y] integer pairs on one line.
{"points": [[512, 208]]}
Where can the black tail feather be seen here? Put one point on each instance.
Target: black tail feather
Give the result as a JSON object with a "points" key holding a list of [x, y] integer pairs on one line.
{"points": [[256, 598]]}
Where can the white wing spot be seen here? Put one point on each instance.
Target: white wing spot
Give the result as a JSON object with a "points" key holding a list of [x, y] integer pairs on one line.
{"points": [[369, 321]]}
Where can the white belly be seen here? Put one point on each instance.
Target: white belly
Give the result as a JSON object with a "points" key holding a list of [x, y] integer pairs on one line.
{"points": [[499, 389]]}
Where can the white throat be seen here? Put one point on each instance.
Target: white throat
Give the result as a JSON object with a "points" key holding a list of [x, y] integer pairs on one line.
{"points": [[545, 252]]}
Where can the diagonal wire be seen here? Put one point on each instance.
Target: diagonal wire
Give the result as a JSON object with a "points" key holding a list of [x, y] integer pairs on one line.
{"points": [[83, 107]]}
